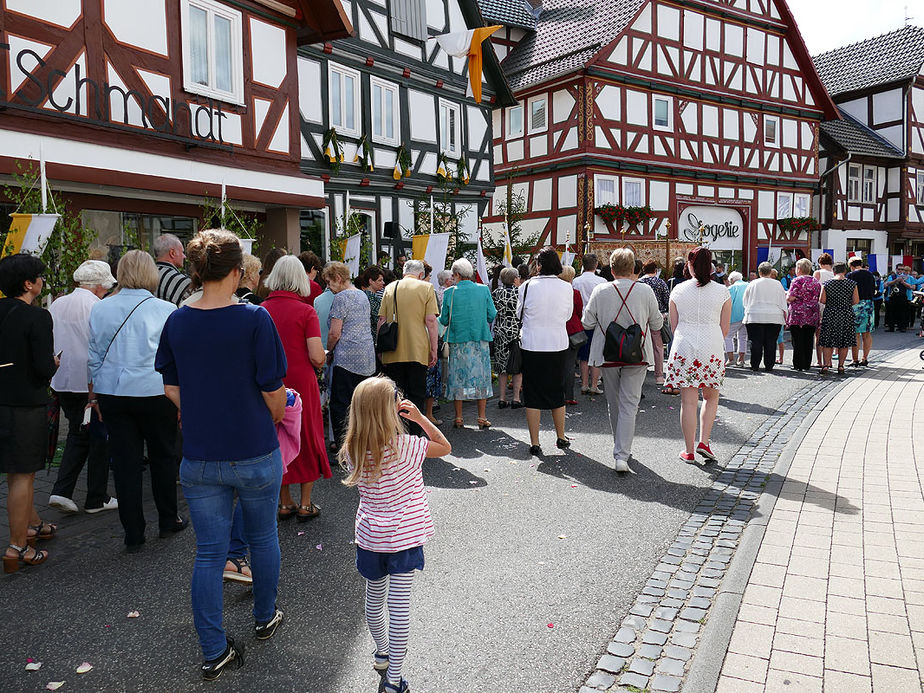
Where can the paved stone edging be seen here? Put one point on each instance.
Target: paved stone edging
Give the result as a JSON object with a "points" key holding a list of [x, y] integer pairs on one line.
{"points": [[654, 647]]}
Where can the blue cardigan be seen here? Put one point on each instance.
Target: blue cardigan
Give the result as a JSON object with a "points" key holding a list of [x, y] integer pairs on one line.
{"points": [[472, 309]]}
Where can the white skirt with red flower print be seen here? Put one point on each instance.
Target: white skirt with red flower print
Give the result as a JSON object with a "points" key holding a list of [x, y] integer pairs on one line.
{"points": [[692, 365]]}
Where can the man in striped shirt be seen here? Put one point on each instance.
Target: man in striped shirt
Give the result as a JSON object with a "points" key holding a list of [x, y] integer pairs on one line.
{"points": [[174, 286]]}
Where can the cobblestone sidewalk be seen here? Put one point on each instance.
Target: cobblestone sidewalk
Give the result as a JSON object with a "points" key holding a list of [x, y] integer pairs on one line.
{"points": [[655, 644]]}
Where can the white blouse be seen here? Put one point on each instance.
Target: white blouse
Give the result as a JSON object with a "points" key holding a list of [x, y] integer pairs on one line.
{"points": [[549, 304]]}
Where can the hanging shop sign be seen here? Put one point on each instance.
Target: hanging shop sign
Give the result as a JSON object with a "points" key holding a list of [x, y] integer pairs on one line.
{"points": [[721, 228], [191, 123]]}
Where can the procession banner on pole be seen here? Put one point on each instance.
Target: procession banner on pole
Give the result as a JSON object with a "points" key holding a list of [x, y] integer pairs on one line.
{"points": [[351, 253], [28, 233], [567, 258], [508, 249], [431, 248], [481, 266]]}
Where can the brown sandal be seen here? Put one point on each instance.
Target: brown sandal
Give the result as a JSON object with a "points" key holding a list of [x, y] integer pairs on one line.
{"points": [[286, 512], [312, 511], [483, 424], [11, 563], [458, 423]]}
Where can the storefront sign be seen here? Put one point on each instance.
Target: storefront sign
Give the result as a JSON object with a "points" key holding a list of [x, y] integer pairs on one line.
{"points": [[722, 227], [178, 120]]}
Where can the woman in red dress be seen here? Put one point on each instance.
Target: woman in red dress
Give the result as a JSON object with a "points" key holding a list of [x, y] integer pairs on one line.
{"points": [[298, 327]]}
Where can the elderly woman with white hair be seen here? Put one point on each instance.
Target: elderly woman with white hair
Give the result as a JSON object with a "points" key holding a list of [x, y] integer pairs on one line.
{"points": [[737, 331], [300, 332], [506, 333], [466, 313]]}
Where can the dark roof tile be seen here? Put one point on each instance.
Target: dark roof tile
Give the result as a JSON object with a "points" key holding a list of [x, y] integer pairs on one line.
{"points": [[892, 57], [854, 137], [517, 13]]}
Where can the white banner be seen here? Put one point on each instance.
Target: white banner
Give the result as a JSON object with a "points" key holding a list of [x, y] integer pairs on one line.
{"points": [[723, 228], [567, 258], [435, 254], [774, 255], [351, 254]]}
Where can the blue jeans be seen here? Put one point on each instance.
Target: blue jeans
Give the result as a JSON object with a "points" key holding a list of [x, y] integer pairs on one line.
{"points": [[238, 547], [209, 488]]}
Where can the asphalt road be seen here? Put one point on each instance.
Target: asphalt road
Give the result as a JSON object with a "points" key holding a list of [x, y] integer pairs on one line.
{"points": [[532, 568]]}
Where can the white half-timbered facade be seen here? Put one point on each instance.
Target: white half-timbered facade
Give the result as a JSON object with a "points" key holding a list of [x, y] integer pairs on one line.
{"points": [[706, 111], [873, 198], [394, 86], [143, 108]]}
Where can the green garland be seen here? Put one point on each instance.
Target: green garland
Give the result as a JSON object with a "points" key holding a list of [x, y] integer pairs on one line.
{"points": [[402, 164], [462, 173], [363, 154], [333, 152]]}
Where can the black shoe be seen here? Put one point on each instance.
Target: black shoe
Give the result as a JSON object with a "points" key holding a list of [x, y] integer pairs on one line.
{"points": [[134, 548], [755, 368], [535, 451], [178, 526], [864, 363], [264, 631], [502, 404], [516, 405], [233, 656], [562, 443]]}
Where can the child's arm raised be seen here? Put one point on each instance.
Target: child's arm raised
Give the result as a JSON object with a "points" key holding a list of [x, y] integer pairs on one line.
{"points": [[438, 446]]}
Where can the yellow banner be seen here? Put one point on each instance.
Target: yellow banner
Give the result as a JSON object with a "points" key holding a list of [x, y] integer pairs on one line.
{"points": [[419, 246]]}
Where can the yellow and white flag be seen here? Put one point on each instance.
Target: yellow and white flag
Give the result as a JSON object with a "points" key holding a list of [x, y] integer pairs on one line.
{"points": [[508, 249], [29, 233], [468, 43], [432, 248]]}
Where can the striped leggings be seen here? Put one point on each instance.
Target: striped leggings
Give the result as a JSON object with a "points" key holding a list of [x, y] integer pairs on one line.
{"points": [[390, 636]]}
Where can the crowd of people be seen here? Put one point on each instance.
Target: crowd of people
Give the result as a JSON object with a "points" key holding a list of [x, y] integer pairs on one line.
{"points": [[246, 378]]}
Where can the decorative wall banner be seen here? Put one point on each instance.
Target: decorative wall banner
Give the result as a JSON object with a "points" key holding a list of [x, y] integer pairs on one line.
{"points": [[29, 233], [723, 228]]}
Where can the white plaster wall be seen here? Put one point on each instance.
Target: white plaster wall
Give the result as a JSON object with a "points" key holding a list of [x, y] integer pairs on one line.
{"points": [[268, 52], [141, 23], [608, 102], [668, 22], [423, 124], [562, 105], [567, 192], [693, 30], [542, 195], [636, 107], [836, 240], [887, 105], [309, 90]]}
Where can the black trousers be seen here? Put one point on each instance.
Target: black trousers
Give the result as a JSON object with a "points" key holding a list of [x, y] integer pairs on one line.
{"points": [[342, 384], [133, 422], [803, 345], [877, 307], [763, 336], [897, 311], [411, 379], [84, 445]]}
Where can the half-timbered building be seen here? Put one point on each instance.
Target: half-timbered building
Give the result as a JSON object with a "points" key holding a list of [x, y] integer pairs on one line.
{"points": [[872, 198], [706, 111], [142, 108], [397, 106]]}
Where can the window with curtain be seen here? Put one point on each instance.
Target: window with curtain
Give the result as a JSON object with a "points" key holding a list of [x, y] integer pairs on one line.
{"points": [[384, 112], [632, 192], [853, 183], [801, 205], [213, 57], [783, 205], [869, 184], [605, 191]]}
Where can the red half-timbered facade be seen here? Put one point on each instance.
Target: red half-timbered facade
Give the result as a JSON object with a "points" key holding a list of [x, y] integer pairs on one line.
{"points": [[146, 107], [707, 112]]}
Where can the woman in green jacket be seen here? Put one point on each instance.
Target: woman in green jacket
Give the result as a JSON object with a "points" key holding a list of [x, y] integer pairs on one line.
{"points": [[467, 311]]}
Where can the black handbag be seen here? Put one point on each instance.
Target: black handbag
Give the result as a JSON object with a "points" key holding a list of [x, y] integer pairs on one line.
{"points": [[514, 358], [388, 332], [622, 346]]}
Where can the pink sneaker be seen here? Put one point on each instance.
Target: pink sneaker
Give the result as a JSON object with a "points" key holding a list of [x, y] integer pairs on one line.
{"points": [[688, 457], [703, 450]]}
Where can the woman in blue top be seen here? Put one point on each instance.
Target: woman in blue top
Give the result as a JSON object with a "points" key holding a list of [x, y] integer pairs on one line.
{"points": [[222, 364], [467, 310], [124, 333]]}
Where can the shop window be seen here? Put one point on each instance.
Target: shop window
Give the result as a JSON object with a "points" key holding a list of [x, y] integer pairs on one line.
{"points": [[869, 184], [213, 50], [515, 122], [450, 128], [409, 18], [344, 100], [661, 107], [538, 115], [385, 120], [633, 192], [605, 191], [853, 183]]}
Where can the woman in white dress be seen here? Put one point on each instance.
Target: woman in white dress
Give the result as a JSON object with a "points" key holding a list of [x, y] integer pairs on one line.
{"points": [[700, 312]]}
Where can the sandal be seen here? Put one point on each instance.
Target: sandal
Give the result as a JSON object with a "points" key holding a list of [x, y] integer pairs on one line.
{"points": [[458, 423], [824, 370], [311, 512], [11, 563], [483, 424], [285, 512], [237, 574], [841, 371], [502, 404], [40, 532]]}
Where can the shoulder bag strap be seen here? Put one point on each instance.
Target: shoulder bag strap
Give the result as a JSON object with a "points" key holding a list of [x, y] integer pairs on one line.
{"points": [[523, 304], [106, 353], [624, 305]]}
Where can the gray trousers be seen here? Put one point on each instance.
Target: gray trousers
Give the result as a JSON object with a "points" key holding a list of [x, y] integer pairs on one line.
{"points": [[623, 389]]}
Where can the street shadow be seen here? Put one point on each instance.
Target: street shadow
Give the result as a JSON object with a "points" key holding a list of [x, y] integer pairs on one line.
{"points": [[442, 474], [747, 407]]}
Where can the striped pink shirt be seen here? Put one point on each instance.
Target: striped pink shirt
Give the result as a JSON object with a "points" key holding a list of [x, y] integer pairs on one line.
{"points": [[393, 513]]}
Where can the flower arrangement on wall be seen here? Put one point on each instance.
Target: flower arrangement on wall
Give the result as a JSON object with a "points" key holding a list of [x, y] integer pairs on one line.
{"points": [[617, 215], [796, 224]]}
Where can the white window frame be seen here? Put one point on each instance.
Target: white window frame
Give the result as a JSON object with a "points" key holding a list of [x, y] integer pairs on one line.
{"points": [[395, 108], [236, 96], [641, 191], [780, 197], [871, 198], [529, 113], [669, 127], [775, 142], [598, 201], [920, 188], [804, 201], [854, 183], [357, 99], [511, 135], [451, 106]]}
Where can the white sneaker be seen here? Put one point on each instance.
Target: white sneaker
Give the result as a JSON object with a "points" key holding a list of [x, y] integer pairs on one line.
{"points": [[594, 391], [111, 504], [63, 503], [622, 466]]}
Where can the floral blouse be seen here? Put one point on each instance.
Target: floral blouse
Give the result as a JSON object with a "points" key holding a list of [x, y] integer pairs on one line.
{"points": [[662, 293], [804, 310]]}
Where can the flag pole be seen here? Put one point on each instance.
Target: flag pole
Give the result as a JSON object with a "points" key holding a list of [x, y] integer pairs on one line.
{"points": [[432, 229], [43, 180]]}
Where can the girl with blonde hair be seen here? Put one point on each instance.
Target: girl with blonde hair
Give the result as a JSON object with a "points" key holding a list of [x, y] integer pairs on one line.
{"points": [[393, 519]]}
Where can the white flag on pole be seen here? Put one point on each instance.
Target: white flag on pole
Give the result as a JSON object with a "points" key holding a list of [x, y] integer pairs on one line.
{"points": [[482, 267], [351, 254], [435, 254]]}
